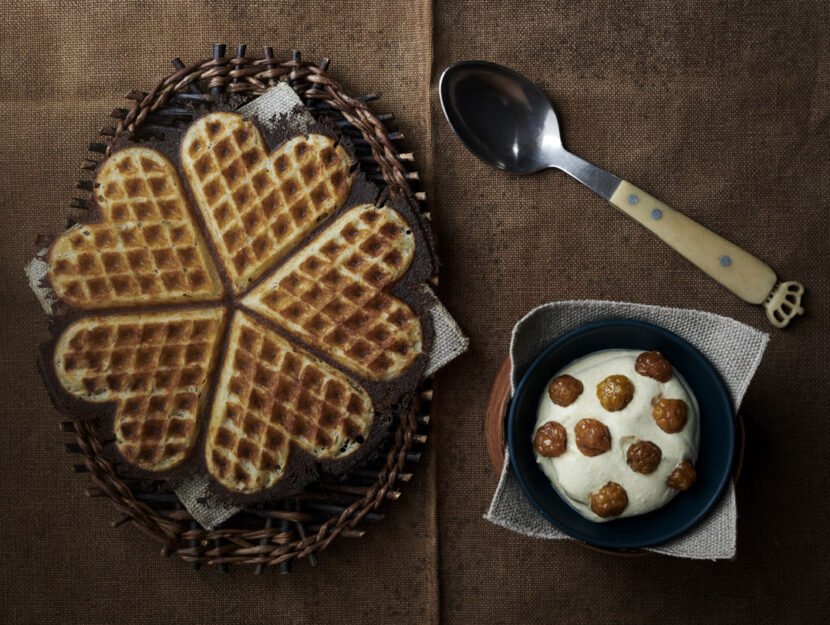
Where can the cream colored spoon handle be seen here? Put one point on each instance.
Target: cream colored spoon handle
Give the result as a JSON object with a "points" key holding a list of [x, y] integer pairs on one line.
{"points": [[739, 271]]}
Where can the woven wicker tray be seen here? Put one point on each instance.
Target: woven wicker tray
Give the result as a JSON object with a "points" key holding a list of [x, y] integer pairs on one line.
{"points": [[303, 525]]}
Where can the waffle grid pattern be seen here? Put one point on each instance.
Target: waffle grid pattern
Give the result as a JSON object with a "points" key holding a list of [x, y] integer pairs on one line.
{"points": [[275, 395], [258, 206], [271, 394], [155, 368], [146, 250], [330, 294]]}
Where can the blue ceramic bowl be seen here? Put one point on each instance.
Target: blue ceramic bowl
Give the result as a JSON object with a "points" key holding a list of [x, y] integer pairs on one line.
{"points": [[717, 436]]}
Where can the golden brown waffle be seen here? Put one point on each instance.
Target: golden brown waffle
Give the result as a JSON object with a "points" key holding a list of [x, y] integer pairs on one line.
{"points": [[332, 295], [145, 250], [272, 396], [258, 206], [271, 400], [155, 367]]}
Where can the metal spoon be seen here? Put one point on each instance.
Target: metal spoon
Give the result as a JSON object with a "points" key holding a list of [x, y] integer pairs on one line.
{"points": [[506, 121]]}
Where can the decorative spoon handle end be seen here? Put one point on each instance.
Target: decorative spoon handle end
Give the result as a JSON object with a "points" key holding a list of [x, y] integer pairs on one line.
{"points": [[784, 303]]}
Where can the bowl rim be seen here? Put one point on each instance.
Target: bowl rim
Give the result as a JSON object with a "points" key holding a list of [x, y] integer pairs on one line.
{"points": [[615, 544]]}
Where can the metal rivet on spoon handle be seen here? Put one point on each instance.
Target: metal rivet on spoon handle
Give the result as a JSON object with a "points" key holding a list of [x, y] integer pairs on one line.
{"points": [[509, 123]]}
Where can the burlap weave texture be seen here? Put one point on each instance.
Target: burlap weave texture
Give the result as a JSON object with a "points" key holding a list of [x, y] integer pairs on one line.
{"points": [[719, 108]]}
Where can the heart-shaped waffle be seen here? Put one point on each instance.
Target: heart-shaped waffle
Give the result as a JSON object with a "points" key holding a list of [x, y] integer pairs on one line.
{"points": [[332, 293], [257, 205], [272, 396], [236, 369], [154, 367], [145, 250]]}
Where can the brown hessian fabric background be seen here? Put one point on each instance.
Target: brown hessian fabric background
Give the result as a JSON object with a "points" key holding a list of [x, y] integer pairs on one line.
{"points": [[721, 109]]}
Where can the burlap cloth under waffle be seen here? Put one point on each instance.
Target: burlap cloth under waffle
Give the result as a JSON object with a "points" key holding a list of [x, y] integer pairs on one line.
{"points": [[719, 108], [733, 348]]}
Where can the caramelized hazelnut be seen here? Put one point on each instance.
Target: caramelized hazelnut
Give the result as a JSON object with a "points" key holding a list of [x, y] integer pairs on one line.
{"points": [[551, 440], [643, 457], [592, 437], [653, 365], [564, 390], [683, 476], [610, 500], [615, 392], [670, 414]]}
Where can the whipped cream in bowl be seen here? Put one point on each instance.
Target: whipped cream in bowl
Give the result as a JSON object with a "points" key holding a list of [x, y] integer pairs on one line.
{"points": [[613, 453], [577, 477]]}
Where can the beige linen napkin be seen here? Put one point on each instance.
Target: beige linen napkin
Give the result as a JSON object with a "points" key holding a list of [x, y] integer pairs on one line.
{"points": [[733, 348], [281, 104]]}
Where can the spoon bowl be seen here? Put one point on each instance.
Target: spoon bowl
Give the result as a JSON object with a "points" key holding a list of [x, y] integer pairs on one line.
{"points": [[502, 117]]}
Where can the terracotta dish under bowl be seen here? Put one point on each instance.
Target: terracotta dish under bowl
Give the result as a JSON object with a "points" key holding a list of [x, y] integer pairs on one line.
{"points": [[717, 436]]}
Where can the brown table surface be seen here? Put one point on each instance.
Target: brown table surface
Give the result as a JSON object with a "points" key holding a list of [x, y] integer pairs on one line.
{"points": [[720, 109]]}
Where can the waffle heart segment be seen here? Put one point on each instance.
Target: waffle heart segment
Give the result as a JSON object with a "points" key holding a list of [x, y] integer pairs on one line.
{"points": [[257, 205], [272, 396], [146, 249], [332, 293], [155, 367]]}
